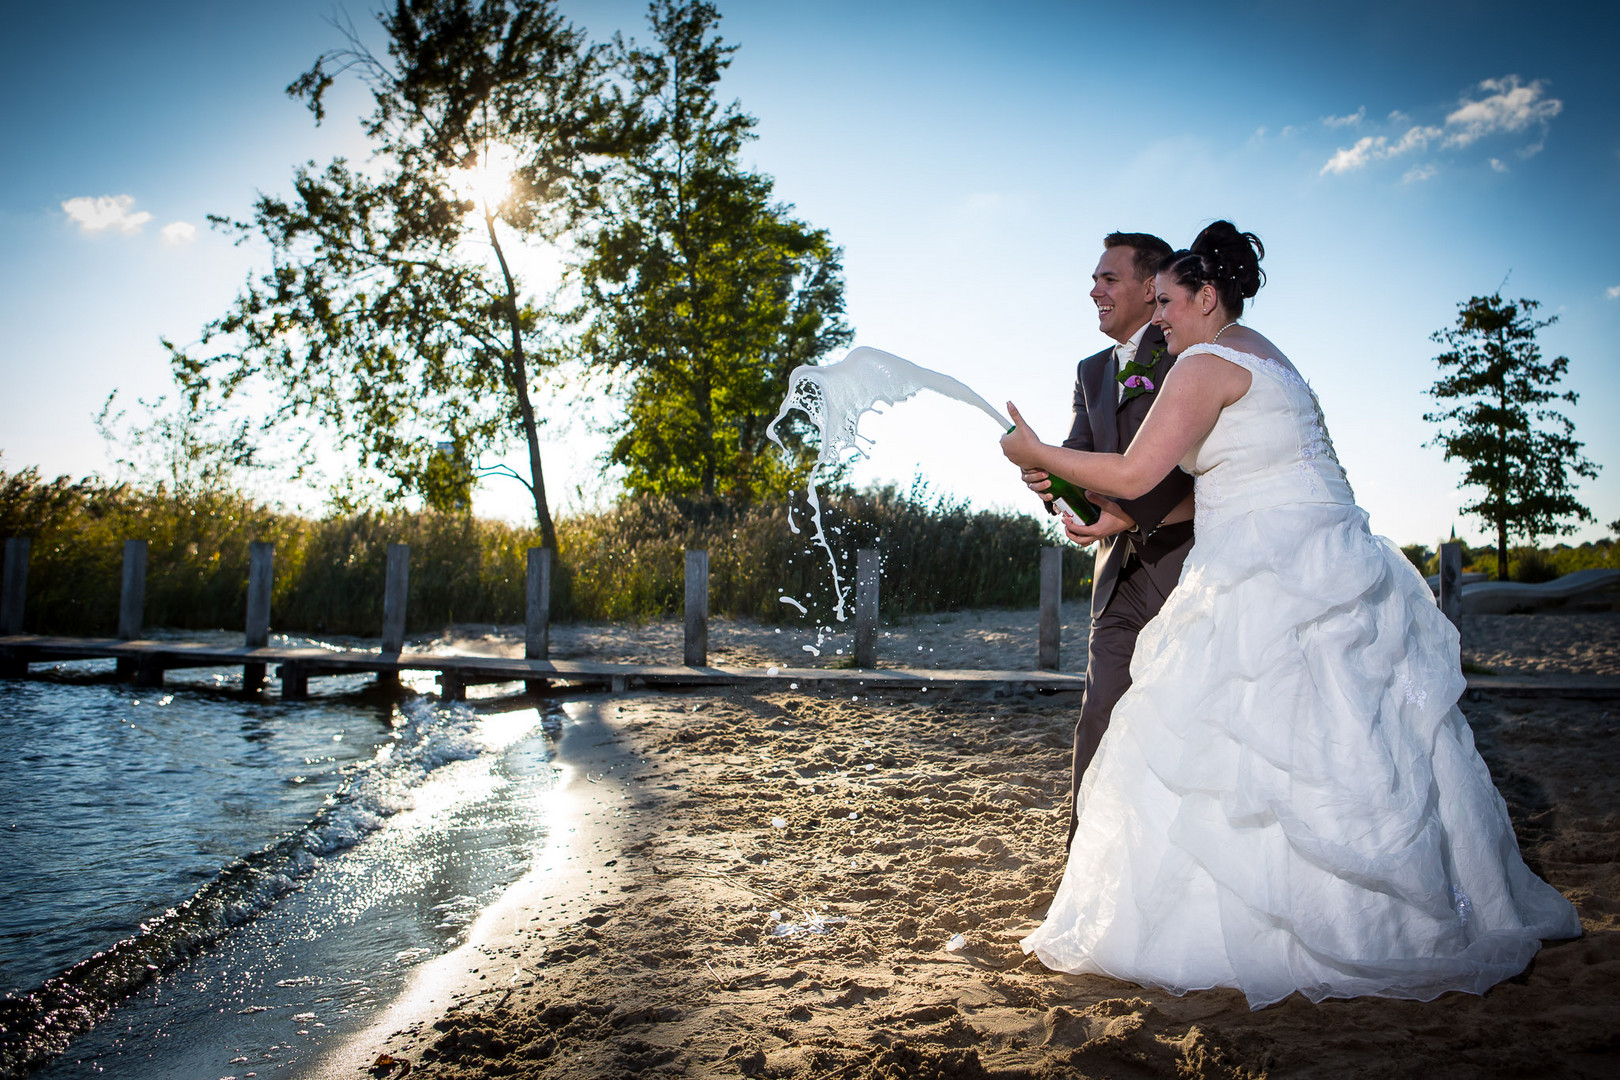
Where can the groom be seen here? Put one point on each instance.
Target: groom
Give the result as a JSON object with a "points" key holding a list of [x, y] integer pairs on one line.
{"points": [[1141, 543]]}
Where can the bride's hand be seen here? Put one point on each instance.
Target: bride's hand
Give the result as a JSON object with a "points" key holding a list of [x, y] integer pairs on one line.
{"points": [[1020, 444]]}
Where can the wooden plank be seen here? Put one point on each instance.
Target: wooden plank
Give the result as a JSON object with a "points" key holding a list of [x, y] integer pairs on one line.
{"points": [[1049, 637], [14, 590], [867, 580], [696, 638], [132, 596]]}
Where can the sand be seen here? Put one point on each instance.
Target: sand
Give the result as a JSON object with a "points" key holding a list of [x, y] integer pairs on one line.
{"points": [[782, 876]]}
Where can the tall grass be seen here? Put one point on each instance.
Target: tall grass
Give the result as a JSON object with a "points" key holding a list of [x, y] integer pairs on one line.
{"points": [[623, 563]]}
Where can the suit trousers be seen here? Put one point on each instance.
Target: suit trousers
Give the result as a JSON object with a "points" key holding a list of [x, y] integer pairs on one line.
{"points": [[1145, 580]]}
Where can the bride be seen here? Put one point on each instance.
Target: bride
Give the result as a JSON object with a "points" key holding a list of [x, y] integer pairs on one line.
{"points": [[1288, 797]]}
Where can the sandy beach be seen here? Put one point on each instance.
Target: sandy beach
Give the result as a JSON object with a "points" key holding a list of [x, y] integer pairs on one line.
{"points": [[807, 885]]}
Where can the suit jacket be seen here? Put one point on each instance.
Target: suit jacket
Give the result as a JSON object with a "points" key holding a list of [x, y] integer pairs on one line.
{"points": [[1105, 424]]}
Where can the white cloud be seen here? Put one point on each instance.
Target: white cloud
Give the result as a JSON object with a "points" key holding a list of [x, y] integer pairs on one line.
{"points": [[178, 232], [1612, 292], [1505, 106], [1348, 159], [106, 212], [1419, 173], [1510, 106], [1370, 148]]}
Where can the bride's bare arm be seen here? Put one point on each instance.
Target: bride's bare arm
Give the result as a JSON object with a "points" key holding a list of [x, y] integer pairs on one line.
{"points": [[1185, 410]]}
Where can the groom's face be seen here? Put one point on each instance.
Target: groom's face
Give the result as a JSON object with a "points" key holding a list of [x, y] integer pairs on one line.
{"points": [[1124, 301]]}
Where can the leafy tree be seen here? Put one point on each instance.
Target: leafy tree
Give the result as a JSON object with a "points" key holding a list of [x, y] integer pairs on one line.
{"points": [[1520, 452], [393, 313], [700, 295]]}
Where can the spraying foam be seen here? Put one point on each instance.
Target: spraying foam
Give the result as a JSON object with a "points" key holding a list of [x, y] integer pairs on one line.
{"points": [[836, 396]]}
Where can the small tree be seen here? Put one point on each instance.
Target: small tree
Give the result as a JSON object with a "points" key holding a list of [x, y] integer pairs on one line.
{"points": [[1519, 451], [393, 313], [700, 294]]}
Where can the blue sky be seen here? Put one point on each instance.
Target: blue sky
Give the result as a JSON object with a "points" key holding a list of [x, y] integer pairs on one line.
{"points": [[1396, 158]]}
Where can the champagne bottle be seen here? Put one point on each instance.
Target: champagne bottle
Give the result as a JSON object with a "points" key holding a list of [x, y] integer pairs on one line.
{"points": [[1071, 500], [1066, 497]]}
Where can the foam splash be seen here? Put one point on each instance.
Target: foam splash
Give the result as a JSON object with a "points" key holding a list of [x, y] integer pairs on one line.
{"points": [[835, 397]]}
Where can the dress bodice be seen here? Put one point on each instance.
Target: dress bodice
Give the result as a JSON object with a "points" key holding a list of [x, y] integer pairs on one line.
{"points": [[1269, 448]]}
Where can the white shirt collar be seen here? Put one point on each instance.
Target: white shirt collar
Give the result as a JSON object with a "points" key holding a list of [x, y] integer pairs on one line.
{"points": [[1125, 351]]}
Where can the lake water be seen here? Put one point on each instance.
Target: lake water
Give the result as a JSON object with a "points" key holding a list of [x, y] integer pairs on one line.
{"points": [[226, 884]]}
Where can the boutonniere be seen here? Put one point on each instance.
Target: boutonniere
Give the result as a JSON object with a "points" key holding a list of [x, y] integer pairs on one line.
{"points": [[1136, 378]]}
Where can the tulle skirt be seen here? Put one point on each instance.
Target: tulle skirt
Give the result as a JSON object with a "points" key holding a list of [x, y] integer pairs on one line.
{"points": [[1288, 797]]}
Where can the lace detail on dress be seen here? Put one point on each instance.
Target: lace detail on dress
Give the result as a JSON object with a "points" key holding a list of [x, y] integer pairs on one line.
{"points": [[1415, 695], [1315, 445]]}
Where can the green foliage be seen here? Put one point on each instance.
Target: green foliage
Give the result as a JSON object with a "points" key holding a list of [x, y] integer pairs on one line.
{"points": [[1519, 451], [700, 294], [392, 314], [937, 555], [624, 563], [1419, 555]]}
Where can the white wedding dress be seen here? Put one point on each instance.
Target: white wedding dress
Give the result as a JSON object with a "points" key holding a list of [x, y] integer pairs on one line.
{"points": [[1288, 798]]}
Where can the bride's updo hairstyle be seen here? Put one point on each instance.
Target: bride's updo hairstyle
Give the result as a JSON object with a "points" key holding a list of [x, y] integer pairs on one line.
{"points": [[1224, 258]]}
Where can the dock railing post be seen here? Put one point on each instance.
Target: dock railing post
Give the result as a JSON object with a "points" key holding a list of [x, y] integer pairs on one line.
{"points": [[131, 601], [261, 575], [537, 614], [1450, 597], [1051, 625], [132, 597], [15, 588], [395, 590], [697, 608], [867, 575]]}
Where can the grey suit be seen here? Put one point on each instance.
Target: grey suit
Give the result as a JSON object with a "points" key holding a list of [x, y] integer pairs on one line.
{"points": [[1134, 571]]}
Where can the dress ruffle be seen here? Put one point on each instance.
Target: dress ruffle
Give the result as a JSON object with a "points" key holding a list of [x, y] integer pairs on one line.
{"points": [[1288, 798]]}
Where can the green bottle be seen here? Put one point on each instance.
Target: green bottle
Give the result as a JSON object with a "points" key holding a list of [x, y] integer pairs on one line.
{"points": [[1066, 498], [1071, 500]]}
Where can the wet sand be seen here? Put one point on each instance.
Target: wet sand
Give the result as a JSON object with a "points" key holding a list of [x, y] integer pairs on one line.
{"points": [[787, 872]]}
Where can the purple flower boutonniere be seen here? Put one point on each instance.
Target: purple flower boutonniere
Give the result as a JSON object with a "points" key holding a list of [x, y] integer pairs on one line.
{"points": [[1136, 378]]}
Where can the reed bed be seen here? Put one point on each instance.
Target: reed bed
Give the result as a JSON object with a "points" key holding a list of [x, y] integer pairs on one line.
{"points": [[624, 563]]}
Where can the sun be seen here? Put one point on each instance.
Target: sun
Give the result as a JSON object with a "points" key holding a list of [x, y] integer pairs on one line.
{"points": [[489, 180]]}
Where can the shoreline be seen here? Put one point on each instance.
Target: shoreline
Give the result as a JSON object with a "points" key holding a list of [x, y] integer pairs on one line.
{"points": [[577, 867]]}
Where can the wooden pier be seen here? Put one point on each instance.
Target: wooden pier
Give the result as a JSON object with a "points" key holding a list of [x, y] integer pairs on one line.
{"points": [[295, 667], [144, 661]]}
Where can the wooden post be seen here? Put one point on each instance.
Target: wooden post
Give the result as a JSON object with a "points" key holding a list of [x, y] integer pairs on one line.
{"points": [[452, 687], [395, 589], [294, 681], [394, 593], [697, 608], [1451, 583], [1051, 626], [261, 574], [15, 589], [537, 614], [132, 600], [866, 607]]}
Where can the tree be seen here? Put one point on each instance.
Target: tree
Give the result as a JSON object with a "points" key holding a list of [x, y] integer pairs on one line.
{"points": [[700, 295], [1519, 451], [393, 313]]}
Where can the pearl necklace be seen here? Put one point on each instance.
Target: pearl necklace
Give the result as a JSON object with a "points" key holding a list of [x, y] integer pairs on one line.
{"points": [[1221, 331]]}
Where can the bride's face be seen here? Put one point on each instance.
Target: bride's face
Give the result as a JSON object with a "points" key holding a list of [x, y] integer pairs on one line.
{"points": [[1180, 313]]}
